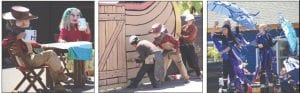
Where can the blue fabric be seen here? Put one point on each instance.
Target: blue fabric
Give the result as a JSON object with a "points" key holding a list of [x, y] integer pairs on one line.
{"points": [[265, 54], [290, 34], [235, 58], [219, 48], [234, 12], [82, 52]]}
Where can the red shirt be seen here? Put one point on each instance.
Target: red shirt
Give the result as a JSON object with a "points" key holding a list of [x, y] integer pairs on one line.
{"points": [[166, 38], [74, 35], [6, 42], [191, 32]]}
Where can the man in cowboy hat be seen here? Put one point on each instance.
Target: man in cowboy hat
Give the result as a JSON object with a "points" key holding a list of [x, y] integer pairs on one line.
{"points": [[170, 46], [147, 52], [187, 39], [18, 20]]}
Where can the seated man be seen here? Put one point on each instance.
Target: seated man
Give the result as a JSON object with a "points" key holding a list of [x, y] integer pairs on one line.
{"points": [[18, 20]]}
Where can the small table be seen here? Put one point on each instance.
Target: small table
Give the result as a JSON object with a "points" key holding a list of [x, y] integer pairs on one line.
{"points": [[61, 48]]}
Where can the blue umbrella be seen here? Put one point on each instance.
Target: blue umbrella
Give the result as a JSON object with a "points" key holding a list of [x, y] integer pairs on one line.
{"points": [[290, 34], [234, 12]]}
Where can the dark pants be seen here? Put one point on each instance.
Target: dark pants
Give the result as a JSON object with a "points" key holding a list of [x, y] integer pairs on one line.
{"points": [[146, 68], [189, 57], [227, 70]]}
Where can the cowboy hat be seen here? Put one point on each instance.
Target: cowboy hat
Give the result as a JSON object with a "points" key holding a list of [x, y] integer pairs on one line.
{"points": [[158, 27], [19, 13]]}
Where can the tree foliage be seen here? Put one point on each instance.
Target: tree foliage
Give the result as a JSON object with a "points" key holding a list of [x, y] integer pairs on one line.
{"points": [[185, 6]]}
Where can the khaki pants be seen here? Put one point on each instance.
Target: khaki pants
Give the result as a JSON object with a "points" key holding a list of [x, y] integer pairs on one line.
{"points": [[170, 57], [50, 59]]}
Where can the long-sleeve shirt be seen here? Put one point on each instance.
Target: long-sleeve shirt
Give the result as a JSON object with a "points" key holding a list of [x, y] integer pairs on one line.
{"points": [[226, 41], [145, 48], [189, 33], [28, 46], [74, 35], [166, 42], [265, 40]]}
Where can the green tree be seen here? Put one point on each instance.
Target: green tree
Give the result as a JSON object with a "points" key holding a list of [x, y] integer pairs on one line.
{"points": [[213, 54], [185, 6]]}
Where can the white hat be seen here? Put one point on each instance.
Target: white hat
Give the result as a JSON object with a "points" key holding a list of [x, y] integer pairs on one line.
{"points": [[133, 38], [189, 17]]}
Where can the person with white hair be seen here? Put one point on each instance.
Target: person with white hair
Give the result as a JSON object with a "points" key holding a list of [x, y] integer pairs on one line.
{"points": [[147, 57], [264, 44]]}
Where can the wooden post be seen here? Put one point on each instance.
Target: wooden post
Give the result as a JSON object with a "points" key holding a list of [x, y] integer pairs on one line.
{"points": [[79, 73]]}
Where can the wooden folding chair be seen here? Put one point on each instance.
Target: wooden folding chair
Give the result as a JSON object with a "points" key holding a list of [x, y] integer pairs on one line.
{"points": [[29, 73]]}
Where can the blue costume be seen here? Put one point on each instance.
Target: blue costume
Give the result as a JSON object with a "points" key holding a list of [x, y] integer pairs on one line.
{"points": [[265, 54], [231, 60]]}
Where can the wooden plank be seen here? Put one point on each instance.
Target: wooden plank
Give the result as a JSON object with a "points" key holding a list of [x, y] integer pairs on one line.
{"points": [[108, 9], [108, 17], [112, 81], [102, 82], [131, 64], [170, 24], [112, 74], [110, 32], [114, 54], [121, 51], [160, 12], [122, 73], [133, 73], [102, 39], [131, 56], [115, 50], [101, 9], [148, 10], [103, 75], [110, 45], [139, 28], [122, 79], [122, 10]]}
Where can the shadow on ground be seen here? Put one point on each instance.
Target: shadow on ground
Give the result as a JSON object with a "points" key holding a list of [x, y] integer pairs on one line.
{"points": [[168, 85], [213, 73]]}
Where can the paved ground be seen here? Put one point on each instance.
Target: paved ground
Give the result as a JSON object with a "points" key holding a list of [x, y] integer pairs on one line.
{"points": [[170, 86], [11, 77], [213, 74]]}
